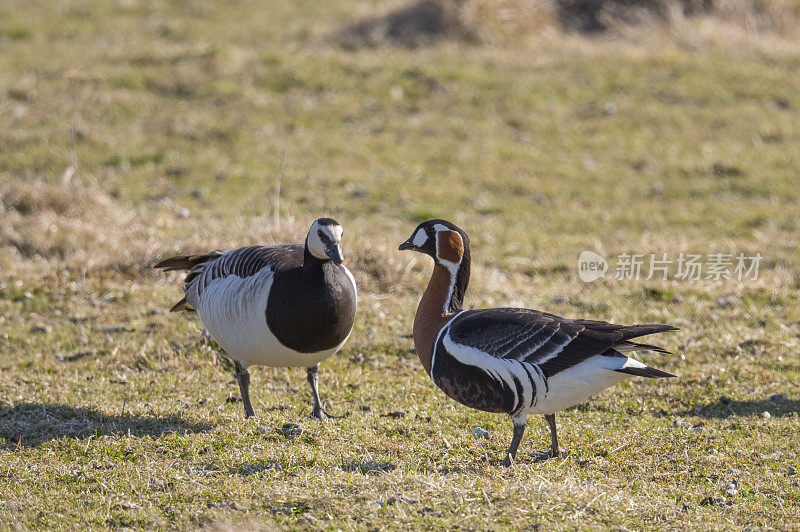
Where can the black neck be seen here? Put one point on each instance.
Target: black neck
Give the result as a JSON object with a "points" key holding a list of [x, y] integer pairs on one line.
{"points": [[460, 286], [309, 260]]}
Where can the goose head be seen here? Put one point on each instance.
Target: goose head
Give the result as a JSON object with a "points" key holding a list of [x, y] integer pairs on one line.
{"points": [[324, 240], [441, 240]]}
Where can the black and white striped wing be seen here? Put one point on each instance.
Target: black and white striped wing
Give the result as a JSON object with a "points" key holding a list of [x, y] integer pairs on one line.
{"points": [[551, 342], [244, 262]]}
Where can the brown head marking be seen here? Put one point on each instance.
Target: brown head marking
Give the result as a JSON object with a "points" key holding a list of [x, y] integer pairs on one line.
{"points": [[450, 246]]}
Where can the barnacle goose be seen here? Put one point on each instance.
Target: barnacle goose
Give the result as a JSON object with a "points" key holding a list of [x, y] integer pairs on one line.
{"points": [[283, 305], [513, 360]]}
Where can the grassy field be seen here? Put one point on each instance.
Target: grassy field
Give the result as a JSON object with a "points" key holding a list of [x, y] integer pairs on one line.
{"points": [[133, 130]]}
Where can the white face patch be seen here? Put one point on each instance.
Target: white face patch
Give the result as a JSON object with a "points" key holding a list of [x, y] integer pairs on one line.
{"points": [[336, 236], [315, 244], [335, 232], [420, 238]]}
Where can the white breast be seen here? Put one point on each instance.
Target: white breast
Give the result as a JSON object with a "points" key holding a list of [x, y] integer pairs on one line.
{"points": [[233, 310]]}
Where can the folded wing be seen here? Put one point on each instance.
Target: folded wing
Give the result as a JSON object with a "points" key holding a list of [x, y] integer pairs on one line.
{"points": [[551, 342], [243, 262]]}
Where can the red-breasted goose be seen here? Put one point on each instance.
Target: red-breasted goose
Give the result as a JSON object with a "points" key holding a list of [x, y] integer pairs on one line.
{"points": [[513, 360], [285, 305]]}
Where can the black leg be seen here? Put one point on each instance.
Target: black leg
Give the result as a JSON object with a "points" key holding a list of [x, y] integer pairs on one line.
{"points": [[551, 420], [243, 377], [553, 451], [312, 376], [519, 430]]}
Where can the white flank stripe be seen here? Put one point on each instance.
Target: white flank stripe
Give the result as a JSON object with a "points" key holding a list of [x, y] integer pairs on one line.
{"points": [[441, 331], [505, 370]]}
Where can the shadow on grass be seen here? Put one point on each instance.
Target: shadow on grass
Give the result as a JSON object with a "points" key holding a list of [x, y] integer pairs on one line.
{"points": [[777, 407], [425, 22], [31, 424], [252, 468], [421, 23], [368, 467]]}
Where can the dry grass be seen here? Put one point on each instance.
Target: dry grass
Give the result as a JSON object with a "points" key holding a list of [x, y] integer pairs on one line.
{"points": [[133, 130]]}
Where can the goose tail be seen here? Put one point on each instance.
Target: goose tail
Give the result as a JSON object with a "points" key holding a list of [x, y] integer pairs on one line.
{"points": [[647, 371]]}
